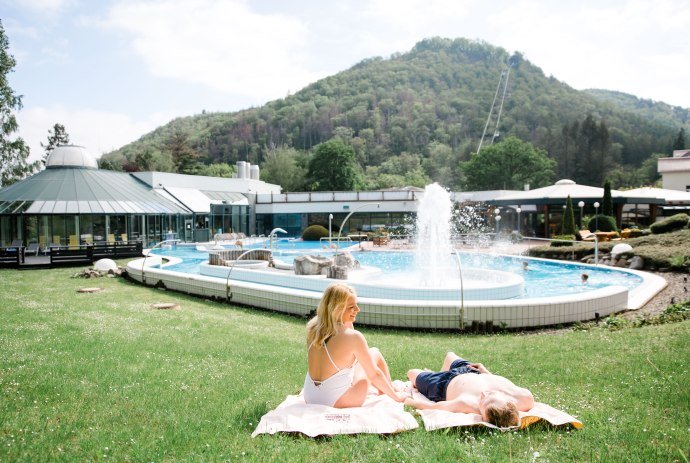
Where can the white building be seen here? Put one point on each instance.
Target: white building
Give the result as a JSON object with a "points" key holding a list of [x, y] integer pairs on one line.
{"points": [[675, 171]]}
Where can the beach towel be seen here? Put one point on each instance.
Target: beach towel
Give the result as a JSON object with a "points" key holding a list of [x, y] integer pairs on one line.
{"points": [[378, 415], [440, 419]]}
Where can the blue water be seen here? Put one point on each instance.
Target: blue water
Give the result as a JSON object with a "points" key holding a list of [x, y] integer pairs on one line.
{"points": [[543, 279]]}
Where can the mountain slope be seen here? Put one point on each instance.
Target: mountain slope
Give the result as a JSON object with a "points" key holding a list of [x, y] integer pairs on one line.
{"points": [[437, 94]]}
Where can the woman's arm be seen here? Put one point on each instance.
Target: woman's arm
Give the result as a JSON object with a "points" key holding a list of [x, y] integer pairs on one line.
{"points": [[360, 348]]}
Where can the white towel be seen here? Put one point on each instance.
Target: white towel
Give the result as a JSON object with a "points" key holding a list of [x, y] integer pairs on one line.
{"points": [[439, 419], [378, 415]]}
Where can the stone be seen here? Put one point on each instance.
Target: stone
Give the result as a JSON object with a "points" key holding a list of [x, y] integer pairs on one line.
{"points": [[620, 249], [103, 265], [338, 272], [345, 259], [636, 263], [622, 262], [312, 265]]}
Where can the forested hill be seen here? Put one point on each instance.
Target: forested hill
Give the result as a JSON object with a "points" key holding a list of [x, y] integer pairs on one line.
{"points": [[423, 112]]}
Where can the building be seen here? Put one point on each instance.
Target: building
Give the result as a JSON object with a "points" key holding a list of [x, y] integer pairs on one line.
{"points": [[74, 202], [675, 171]]}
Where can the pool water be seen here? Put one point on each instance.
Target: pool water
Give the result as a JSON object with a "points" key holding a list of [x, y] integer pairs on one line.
{"points": [[543, 279]]}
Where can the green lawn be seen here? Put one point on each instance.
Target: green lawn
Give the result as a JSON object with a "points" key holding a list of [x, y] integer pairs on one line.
{"points": [[103, 376]]}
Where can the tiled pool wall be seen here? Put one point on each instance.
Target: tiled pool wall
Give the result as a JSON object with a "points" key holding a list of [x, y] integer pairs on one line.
{"points": [[505, 285], [428, 314]]}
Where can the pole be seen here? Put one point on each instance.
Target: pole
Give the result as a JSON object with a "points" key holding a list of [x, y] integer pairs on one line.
{"points": [[342, 225], [330, 219]]}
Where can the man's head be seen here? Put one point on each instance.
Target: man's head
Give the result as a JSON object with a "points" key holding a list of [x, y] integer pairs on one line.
{"points": [[498, 409]]}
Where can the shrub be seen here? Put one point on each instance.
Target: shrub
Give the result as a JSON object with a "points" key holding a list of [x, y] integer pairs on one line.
{"points": [[314, 233], [673, 223], [562, 240], [606, 223]]}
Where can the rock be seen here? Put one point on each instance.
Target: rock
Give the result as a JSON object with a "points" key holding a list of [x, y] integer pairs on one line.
{"points": [[620, 249], [338, 272], [103, 265], [345, 259], [636, 263], [622, 262], [312, 265]]}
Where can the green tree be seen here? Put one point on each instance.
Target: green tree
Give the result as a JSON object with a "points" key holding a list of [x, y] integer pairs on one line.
{"points": [[14, 153], [607, 202], [183, 156], [679, 142], [568, 226], [56, 136], [508, 165], [217, 169], [285, 167], [333, 167]]}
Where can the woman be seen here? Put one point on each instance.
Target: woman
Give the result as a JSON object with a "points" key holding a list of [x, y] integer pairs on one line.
{"points": [[341, 366]]}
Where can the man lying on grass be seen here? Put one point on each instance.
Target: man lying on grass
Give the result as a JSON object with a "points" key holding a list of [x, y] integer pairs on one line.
{"points": [[467, 387]]}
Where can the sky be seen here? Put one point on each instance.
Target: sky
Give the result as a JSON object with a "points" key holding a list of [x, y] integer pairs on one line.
{"points": [[113, 70]]}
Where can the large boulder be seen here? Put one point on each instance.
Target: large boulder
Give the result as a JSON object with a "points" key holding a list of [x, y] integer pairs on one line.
{"points": [[312, 265], [103, 265], [345, 259], [637, 263]]}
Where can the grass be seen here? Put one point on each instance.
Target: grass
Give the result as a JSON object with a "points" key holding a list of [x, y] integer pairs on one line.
{"points": [[103, 377]]}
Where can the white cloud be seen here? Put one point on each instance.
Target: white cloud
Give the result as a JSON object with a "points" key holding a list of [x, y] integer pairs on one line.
{"points": [[98, 131], [220, 44]]}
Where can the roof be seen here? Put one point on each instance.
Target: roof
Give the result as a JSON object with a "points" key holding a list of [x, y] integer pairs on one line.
{"points": [[670, 196], [559, 192], [70, 156], [84, 191]]}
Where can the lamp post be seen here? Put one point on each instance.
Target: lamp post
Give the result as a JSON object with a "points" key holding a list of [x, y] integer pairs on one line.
{"points": [[518, 210], [596, 216], [581, 204], [498, 222], [330, 219], [337, 246]]}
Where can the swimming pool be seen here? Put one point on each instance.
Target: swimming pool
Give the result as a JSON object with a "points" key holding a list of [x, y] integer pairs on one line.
{"points": [[552, 292]]}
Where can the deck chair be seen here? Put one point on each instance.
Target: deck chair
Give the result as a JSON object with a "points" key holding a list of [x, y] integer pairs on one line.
{"points": [[17, 244], [73, 242], [33, 248], [110, 239], [56, 240], [124, 237]]}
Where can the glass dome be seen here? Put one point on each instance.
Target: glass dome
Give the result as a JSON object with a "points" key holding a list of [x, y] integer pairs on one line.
{"points": [[70, 156]]}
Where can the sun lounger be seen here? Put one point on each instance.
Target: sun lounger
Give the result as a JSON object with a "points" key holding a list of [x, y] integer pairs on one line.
{"points": [[33, 248]]}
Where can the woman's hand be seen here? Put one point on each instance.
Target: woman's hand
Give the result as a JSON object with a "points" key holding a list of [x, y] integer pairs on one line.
{"points": [[480, 368], [401, 396]]}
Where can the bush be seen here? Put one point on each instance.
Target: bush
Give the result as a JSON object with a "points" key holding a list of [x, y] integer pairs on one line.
{"points": [[673, 223], [314, 233], [606, 223], [562, 240]]}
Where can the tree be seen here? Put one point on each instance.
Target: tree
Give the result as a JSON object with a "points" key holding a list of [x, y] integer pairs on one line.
{"points": [[606, 202], [679, 142], [183, 156], [285, 167], [14, 153], [568, 227], [333, 167], [508, 165], [56, 136], [219, 169]]}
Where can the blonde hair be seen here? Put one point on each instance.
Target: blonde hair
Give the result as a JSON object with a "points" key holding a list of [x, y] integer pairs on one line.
{"points": [[503, 417], [329, 314]]}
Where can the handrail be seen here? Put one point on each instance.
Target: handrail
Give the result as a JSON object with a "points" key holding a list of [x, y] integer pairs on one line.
{"points": [[143, 262], [462, 290], [228, 293]]}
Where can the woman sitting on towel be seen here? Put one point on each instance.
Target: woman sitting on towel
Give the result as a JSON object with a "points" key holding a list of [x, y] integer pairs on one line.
{"points": [[341, 365]]}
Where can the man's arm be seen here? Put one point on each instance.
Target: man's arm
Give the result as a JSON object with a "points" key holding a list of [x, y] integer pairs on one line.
{"points": [[459, 404], [480, 368]]}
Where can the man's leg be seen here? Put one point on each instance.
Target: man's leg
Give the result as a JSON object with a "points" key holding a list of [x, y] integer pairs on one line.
{"points": [[450, 358]]}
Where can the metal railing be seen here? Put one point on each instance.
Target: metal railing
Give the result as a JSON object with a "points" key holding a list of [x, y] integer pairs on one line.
{"points": [[143, 262], [228, 292]]}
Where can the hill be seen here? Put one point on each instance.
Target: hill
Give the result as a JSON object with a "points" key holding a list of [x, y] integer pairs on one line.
{"points": [[421, 111]]}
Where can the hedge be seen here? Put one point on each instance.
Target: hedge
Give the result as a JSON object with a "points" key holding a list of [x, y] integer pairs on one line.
{"points": [[314, 233], [605, 223], [673, 223]]}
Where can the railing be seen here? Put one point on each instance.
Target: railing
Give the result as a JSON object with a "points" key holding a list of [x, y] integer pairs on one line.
{"points": [[143, 262], [228, 292]]}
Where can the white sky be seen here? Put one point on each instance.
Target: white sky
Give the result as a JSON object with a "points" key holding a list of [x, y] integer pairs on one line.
{"points": [[112, 70]]}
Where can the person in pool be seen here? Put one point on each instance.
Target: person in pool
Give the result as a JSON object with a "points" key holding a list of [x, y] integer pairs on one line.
{"points": [[467, 387], [341, 365]]}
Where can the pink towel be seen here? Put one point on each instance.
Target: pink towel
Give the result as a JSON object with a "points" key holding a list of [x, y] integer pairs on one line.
{"points": [[378, 415]]}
